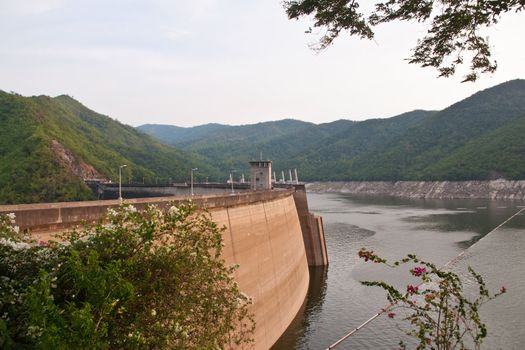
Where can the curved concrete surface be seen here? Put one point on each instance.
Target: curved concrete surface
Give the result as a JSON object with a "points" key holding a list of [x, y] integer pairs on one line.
{"points": [[263, 235], [265, 240]]}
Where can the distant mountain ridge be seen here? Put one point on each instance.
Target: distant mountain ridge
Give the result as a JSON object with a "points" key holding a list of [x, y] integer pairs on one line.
{"points": [[171, 133], [48, 146], [477, 138]]}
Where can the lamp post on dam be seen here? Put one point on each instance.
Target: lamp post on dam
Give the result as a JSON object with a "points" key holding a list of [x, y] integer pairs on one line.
{"points": [[192, 170], [120, 182]]}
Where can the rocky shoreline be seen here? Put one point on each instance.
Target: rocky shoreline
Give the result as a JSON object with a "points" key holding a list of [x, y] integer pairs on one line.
{"points": [[496, 189]]}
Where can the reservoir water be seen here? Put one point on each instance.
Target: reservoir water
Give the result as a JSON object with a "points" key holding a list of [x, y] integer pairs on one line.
{"points": [[435, 230]]}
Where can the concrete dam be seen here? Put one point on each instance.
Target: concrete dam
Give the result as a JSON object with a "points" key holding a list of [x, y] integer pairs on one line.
{"points": [[270, 233]]}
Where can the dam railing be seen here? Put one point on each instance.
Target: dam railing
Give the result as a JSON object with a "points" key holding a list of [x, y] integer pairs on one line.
{"points": [[49, 217]]}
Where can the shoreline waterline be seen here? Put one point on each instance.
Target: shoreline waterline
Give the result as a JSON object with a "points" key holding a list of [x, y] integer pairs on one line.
{"points": [[494, 189]]}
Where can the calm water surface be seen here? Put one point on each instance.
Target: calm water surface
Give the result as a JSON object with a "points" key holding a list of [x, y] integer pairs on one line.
{"points": [[436, 230]]}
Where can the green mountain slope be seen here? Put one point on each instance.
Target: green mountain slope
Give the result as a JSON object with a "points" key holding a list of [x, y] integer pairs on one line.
{"points": [[202, 136], [176, 135], [467, 140], [333, 157], [231, 147], [29, 171], [319, 151], [500, 153], [413, 155], [49, 145]]}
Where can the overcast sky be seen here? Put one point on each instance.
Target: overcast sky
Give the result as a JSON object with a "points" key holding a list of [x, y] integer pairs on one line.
{"points": [[193, 62]]}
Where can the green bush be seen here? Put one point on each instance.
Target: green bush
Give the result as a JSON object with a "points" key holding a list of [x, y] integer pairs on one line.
{"points": [[137, 280]]}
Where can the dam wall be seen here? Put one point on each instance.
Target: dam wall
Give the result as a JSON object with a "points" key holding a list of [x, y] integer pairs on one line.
{"points": [[263, 235], [496, 189], [265, 239]]}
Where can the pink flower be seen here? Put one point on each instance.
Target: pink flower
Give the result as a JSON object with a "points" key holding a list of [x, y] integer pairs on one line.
{"points": [[412, 289], [367, 255], [418, 271], [42, 243]]}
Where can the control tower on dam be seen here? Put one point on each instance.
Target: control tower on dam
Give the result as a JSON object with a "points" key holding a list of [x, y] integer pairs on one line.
{"points": [[269, 233]]}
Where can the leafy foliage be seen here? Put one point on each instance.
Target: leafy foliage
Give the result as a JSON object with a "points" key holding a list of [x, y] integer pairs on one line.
{"points": [[141, 280], [454, 27], [438, 313]]}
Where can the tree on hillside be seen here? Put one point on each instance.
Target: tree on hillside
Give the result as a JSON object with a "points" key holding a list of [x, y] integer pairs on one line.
{"points": [[454, 32]]}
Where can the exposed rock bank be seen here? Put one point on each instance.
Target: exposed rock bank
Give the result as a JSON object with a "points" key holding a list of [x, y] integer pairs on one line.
{"points": [[497, 189]]}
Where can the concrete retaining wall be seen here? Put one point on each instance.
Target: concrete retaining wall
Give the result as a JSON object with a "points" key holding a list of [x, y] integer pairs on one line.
{"points": [[497, 189], [50, 217], [263, 235], [111, 191], [312, 229], [265, 240]]}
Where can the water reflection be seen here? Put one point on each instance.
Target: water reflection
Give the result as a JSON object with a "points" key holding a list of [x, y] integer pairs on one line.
{"points": [[437, 230], [309, 312]]}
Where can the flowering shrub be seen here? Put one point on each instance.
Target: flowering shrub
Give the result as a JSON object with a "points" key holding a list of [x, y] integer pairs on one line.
{"points": [[436, 311], [137, 280]]}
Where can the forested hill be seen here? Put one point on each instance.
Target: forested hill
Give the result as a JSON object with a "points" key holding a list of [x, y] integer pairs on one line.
{"points": [[49, 145], [480, 137]]}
